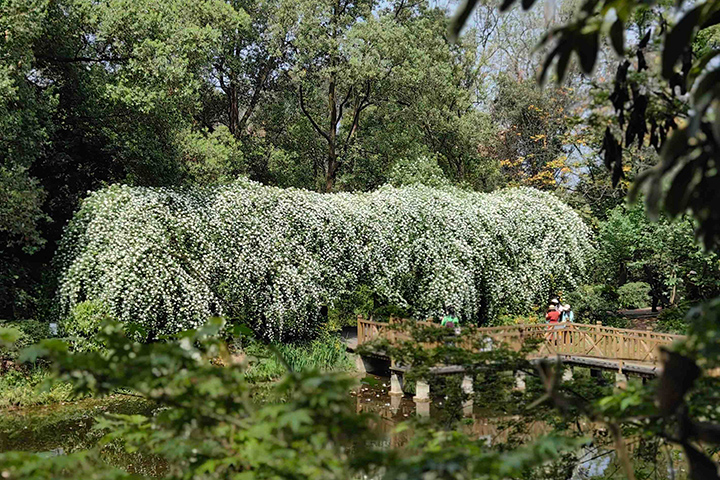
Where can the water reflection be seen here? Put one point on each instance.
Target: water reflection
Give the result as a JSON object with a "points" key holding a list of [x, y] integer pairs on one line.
{"points": [[593, 461]]}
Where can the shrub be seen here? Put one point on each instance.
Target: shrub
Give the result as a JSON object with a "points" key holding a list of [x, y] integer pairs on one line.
{"points": [[591, 303], [31, 386], [325, 353], [83, 324], [279, 259], [634, 295], [673, 319], [31, 332]]}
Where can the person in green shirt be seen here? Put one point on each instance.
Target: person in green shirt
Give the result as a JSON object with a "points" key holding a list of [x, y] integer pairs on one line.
{"points": [[450, 320]]}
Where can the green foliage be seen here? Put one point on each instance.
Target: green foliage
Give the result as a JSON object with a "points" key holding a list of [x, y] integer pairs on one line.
{"points": [[662, 254], [533, 145], [208, 425], [424, 170], [83, 324], [325, 353], [26, 333], [273, 258], [22, 386], [633, 295], [673, 319], [211, 158], [593, 303]]}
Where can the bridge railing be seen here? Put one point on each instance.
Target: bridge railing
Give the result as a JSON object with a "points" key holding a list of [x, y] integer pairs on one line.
{"points": [[567, 338]]}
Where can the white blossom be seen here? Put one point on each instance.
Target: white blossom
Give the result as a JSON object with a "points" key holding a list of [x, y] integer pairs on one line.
{"points": [[161, 257]]}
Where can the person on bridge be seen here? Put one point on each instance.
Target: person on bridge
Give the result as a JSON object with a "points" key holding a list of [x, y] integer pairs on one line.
{"points": [[553, 315], [450, 320], [567, 314]]}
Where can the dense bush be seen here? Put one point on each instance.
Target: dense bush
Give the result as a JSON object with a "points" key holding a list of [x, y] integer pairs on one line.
{"points": [[83, 323], [634, 295], [673, 319], [30, 332], [596, 303], [280, 259]]}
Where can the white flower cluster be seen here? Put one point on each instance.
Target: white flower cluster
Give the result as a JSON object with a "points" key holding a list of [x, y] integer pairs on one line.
{"points": [[169, 259]]}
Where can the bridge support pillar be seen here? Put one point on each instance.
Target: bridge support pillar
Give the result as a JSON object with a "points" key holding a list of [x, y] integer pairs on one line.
{"points": [[422, 409], [396, 384], [422, 398], [422, 391], [567, 375], [467, 387], [395, 401], [621, 380], [360, 364], [519, 381]]}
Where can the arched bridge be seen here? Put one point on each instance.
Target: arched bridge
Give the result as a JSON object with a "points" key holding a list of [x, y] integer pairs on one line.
{"points": [[592, 345]]}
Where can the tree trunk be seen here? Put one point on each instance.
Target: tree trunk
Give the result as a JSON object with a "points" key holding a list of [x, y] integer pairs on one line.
{"points": [[332, 162], [233, 112]]}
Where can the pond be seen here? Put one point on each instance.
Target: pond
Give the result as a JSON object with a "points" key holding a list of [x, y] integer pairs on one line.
{"points": [[68, 427]]}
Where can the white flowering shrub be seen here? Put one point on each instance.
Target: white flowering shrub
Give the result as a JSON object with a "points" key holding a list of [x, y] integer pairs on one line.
{"points": [[169, 259]]}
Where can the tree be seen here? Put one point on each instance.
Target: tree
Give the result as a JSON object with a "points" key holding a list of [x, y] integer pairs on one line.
{"points": [[662, 254], [688, 164], [387, 69], [682, 129], [537, 133]]}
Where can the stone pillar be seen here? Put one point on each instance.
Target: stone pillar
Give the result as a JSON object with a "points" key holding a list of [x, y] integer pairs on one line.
{"points": [[467, 387], [422, 391], [620, 380], [422, 409], [520, 381], [360, 364], [395, 401], [567, 375], [396, 384]]}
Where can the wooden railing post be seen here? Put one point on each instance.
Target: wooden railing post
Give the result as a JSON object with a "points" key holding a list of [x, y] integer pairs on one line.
{"points": [[360, 328]]}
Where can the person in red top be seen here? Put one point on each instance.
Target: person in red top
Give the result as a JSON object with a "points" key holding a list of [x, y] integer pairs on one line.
{"points": [[552, 316]]}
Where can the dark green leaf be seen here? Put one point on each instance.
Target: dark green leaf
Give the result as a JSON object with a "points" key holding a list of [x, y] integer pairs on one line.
{"points": [[506, 4], [700, 65], [461, 18], [678, 40], [652, 197], [678, 376], [673, 148], [707, 90], [679, 191], [548, 62], [587, 51], [706, 432], [242, 329], [617, 33], [701, 467], [562, 63]]}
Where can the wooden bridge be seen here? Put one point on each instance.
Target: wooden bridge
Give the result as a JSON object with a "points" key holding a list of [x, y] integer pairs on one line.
{"points": [[596, 346]]}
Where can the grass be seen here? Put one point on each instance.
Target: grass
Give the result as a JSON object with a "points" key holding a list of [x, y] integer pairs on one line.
{"points": [[29, 387], [25, 388], [326, 353]]}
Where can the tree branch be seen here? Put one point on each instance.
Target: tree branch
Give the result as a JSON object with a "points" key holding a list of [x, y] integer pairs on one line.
{"points": [[309, 117]]}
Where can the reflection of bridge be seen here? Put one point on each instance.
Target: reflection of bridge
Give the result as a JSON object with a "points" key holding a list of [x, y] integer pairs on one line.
{"points": [[621, 350]]}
